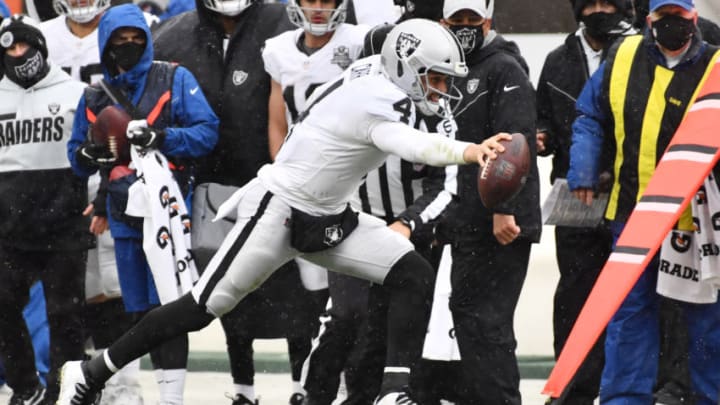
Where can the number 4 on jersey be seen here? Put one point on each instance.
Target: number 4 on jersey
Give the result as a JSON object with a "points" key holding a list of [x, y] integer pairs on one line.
{"points": [[404, 107]]}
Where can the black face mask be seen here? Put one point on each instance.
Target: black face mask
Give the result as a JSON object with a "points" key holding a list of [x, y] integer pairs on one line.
{"points": [[26, 70], [125, 55], [602, 26], [673, 32], [469, 36]]}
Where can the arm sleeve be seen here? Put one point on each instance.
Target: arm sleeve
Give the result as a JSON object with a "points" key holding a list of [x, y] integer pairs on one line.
{"points": [[545, 111], [196, 125], [437, 195], [79, 135], [439, 188], [587, 136], [417, 146], [270, 63]]}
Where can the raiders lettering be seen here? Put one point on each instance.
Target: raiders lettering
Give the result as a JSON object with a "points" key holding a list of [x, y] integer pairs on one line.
{"points": [[37, 130], [677, 270], [710, 249]]}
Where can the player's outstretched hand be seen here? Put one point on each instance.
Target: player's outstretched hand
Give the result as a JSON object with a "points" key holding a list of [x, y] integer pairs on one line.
{"points": [[488, 149]]}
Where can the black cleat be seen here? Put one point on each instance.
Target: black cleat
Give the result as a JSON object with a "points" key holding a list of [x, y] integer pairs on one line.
{"points": [[36, 396]]}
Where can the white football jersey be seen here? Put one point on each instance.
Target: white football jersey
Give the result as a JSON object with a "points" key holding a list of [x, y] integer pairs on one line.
{"points": [[329, 150], [299, 74], [79, 57]]}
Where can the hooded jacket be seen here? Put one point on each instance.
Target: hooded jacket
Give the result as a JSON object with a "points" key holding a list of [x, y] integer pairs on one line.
{"points": [[192, 132], [42, 200], [236, 85], [497, 97]]}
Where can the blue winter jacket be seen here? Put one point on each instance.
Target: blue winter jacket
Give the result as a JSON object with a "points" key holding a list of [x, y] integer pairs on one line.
{"points": [[193, 132]]}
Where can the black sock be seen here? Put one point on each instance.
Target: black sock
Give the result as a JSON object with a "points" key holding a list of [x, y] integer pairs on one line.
{"points": [[96, 372], [158, 326], [410, 284], [171, 355], [392, 382]]}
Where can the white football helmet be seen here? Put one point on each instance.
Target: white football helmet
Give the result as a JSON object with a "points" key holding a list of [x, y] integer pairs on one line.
{"points": [[230, 8], [80, 11], [297, 17], [415, 47]]}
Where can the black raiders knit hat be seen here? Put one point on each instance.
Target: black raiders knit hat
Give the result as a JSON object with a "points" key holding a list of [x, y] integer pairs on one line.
{"points": [[21, 28]]}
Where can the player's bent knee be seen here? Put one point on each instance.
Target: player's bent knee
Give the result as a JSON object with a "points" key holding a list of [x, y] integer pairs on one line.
{"points": [[221, 302], [411, 271]]}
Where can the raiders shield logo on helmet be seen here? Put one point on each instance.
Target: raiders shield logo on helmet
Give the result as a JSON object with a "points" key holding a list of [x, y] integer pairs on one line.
{"points": [[239, 77], [407, 44]]}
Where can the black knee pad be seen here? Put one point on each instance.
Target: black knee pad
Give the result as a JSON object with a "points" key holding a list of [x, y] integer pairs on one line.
{"points": [[411, 271]]}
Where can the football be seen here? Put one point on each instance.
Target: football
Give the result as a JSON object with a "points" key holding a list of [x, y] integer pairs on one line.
{"points": [[109, 129], [501, 179]]}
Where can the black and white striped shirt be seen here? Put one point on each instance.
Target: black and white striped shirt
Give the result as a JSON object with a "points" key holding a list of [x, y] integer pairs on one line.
{"points": [[402, 189]]}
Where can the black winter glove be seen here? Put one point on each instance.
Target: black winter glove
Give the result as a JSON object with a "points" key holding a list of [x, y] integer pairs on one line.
{"points": [[146, 137], [93, 155]]}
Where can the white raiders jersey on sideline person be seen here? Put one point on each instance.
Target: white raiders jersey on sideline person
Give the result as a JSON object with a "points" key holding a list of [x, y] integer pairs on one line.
{"points": [[299, 74], [329, 150], [79, 57]]}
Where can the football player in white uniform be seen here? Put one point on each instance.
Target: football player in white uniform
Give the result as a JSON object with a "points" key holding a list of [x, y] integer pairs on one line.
{"points": [[298, 206], [298, 62], [72, 37]]}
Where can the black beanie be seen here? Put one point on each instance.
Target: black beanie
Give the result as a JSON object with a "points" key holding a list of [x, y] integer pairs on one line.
{"points": [[623, 6], [21, 28], [429, 9]]}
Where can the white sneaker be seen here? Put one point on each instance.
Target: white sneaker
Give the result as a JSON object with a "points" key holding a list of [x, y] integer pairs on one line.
{"points": [[74, 389]]}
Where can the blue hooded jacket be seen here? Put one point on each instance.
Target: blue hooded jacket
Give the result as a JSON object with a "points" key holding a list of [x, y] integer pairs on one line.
{"points": [[194, 126]]}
